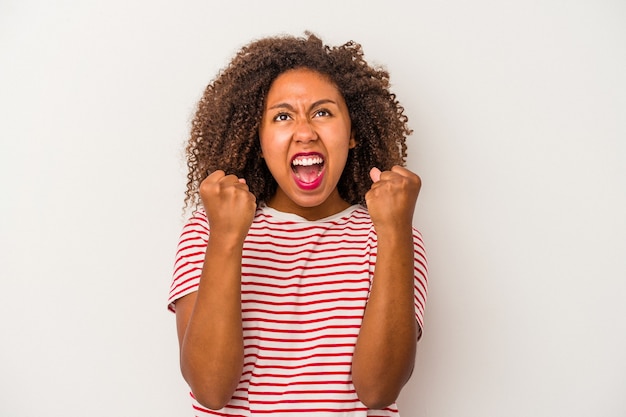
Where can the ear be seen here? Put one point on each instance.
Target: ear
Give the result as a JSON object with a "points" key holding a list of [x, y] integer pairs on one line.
{"points": [[352, 142]]}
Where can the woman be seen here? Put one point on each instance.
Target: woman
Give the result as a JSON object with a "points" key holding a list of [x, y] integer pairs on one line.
{"points": [[300, 282]]}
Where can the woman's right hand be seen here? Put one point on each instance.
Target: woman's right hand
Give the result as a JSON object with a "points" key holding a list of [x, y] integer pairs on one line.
{"points": [[209, 321], [229, 205]]}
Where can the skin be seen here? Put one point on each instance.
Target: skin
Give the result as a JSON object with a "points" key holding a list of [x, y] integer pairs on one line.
{"points": [[304, 113], [385, 350]]}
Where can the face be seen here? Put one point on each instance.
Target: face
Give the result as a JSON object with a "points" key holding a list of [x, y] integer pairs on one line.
{"points": [[305, 136]]}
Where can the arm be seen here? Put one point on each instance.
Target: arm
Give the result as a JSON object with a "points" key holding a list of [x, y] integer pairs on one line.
{"points": [[209, 321], [385, 351]]}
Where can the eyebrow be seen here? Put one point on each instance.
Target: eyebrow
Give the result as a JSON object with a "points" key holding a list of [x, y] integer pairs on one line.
{"points": [[291, 108]]}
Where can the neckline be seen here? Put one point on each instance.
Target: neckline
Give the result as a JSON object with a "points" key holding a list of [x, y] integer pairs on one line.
{"points": [[281, 215]]}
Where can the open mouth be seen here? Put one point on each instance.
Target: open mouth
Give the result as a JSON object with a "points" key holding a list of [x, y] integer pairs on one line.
{"points": [[307, 167]]}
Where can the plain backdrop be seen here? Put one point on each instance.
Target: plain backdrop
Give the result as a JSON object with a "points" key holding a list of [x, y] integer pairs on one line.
{"points": [[519, 116]]}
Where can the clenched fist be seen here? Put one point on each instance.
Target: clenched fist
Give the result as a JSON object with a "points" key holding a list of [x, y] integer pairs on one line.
{"points": [[391, 200], [229, 204]]}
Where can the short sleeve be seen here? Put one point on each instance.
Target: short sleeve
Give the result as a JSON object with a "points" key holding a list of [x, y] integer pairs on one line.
{"points": [[420, 272], [189, 258]]}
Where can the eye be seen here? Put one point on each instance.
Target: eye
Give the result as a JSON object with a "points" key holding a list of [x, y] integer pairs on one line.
{"points": [[322, 113], [281, 117]]}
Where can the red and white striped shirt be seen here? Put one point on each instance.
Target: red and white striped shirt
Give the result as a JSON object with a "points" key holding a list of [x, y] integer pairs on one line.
{"points": [[304, 286]]}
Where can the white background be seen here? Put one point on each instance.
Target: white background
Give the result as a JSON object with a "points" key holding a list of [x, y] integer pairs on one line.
{"points": [[519, 112]]}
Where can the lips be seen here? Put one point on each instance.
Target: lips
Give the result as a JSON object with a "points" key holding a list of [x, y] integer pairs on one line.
{"points": [[308, 169]]}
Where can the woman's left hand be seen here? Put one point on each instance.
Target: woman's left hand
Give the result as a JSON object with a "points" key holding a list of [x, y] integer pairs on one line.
{"points": [[391, 200]]}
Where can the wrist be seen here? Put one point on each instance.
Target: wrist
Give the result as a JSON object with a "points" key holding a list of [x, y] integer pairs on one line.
{"points": [[226, 241], [397, 232]]}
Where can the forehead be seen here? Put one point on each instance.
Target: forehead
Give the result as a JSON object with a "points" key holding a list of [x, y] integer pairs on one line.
{"points": [[302, 82]]}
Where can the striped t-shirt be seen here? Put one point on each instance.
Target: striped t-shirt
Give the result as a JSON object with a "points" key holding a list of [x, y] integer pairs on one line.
{"points": [[304, 286]]}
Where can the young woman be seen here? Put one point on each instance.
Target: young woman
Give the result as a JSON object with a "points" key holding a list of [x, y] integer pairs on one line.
{"points": [[300, 281]]}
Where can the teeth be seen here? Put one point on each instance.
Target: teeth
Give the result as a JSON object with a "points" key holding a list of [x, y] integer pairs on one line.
{"points": [[307, 161]]}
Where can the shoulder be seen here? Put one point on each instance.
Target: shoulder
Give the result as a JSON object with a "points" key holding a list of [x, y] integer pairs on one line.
{"points": [[196, 224]]}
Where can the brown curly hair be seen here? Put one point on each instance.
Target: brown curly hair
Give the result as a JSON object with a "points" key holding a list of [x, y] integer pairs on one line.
{"points": [[224, 132]]}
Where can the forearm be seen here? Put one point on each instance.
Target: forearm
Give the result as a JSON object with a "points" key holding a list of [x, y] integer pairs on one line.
{"points": [[385, 349], [212, 347]]}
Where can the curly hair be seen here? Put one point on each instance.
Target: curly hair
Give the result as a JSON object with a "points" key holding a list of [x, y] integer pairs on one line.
{"points": [[224, 131]]}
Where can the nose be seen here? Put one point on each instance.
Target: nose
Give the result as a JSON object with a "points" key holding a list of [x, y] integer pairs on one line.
{"points": [[304, 131]]}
